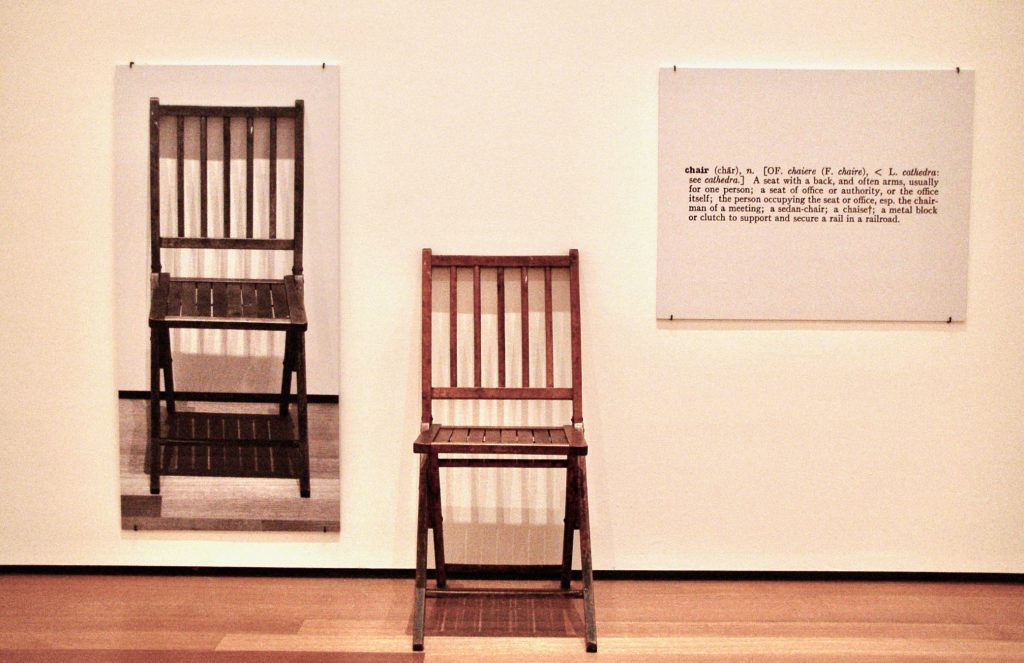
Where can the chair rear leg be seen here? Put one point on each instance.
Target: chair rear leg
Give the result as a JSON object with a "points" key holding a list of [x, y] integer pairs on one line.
{"points": [[300, 387], [154, 412], [436, 521], [571, 521], [589, 616], [422, 519]]}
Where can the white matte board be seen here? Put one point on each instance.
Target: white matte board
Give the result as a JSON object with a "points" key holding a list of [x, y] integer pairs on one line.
{"points": [[813, 194]]}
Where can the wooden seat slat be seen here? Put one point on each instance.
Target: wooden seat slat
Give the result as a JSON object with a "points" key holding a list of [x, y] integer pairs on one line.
{"points": [[279, 300], [203, 303], [220, 299], [188, 298], [234, 300], [249, 301], [173, 298], [263, 308]]}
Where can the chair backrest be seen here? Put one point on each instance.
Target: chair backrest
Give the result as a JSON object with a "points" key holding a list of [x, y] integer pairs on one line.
{"points": [[208, 237], [518, 268]]}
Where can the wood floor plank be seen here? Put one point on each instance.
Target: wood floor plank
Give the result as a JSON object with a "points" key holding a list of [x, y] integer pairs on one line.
{"points": [[163, 655], [750, 647]]}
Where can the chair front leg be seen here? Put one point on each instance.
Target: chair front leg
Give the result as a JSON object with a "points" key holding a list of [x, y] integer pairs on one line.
{"points": [[589, 616], [154, 412], [288, 369], [436, 521], [303, 423], [165, 362], [421, 557], [571, 520]]}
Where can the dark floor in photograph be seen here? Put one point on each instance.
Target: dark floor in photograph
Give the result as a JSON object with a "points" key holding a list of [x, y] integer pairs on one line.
{"points": [[192, 618], [216, 487]]}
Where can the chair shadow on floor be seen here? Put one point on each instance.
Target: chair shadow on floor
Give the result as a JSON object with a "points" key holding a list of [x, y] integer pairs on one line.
{"points": [[504, 616], [537, 541]]}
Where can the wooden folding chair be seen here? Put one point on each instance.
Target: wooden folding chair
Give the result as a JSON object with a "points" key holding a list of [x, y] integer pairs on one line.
{"points": [[226, 303], [441, 445]]}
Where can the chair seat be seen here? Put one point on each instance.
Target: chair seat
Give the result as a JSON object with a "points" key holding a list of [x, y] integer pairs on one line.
{"points": [[227, 303], [526, 440]]}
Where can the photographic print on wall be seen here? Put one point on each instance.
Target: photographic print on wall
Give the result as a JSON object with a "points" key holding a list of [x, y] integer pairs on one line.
{"points": [[226, 287]]}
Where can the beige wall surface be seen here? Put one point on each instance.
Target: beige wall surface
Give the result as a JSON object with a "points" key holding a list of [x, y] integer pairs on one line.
{"points": [[532, 127]]}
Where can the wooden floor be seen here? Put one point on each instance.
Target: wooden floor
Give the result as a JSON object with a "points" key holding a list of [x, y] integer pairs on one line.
{"points": [[191, 618]]}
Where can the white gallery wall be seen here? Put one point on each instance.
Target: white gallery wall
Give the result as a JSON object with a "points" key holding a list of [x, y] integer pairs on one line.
{"points": [[532, 128]]}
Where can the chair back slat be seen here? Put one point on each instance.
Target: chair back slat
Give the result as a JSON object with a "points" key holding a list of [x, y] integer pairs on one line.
{"points": [[453, 328], [248, 176], [263, 233], [500, 276], [180, 162], [477, 372], [499, 266], [226, 123], [203, 188], [549, 335], [524, 295], [273, 179]]}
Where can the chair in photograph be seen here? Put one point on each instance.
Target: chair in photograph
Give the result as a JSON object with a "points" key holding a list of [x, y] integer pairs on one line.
{"points": [[443, 444], [190, 302]]}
